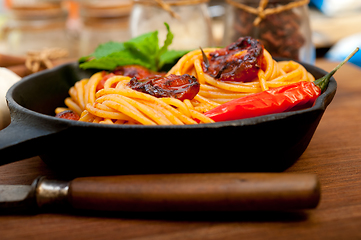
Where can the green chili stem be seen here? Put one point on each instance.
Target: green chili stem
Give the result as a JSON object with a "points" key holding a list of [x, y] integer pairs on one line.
{"points": [[323, 81]]}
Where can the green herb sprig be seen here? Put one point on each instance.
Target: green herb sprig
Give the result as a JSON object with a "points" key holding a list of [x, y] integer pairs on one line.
{"points": [[143, 50]]}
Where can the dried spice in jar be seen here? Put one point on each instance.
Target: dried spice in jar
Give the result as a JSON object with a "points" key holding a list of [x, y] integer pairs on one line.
{"points": [[281, 25]]}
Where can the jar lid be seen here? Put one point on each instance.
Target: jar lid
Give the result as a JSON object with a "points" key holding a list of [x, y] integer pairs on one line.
{"points": [[28, 10], [106, 9], [107, 23], [172, 2]]}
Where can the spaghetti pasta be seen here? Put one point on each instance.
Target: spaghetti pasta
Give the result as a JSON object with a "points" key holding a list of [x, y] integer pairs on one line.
{"points": [[272, 74], [117, 103]]}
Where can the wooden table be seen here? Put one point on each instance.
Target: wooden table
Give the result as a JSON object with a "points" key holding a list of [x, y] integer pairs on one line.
{"points": [[334, 154], [328, 30]]}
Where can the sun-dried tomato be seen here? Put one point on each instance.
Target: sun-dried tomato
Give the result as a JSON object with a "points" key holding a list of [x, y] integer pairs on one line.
{"points": [[238, 62], [130, 71], [176, 86], [68, 114]]}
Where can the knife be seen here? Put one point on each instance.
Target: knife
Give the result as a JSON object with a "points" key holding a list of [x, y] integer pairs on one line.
{"points": [[167, 192]]}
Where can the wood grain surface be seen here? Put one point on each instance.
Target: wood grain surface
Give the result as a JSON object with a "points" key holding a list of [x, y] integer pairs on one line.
{"points": [[334, 154]]}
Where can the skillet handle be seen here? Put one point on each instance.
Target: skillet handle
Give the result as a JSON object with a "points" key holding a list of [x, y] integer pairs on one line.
{"points": [[195, 192], [21, 140]]}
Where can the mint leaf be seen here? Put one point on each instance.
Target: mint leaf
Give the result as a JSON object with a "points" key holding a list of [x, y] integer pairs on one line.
{"points": [[168, 41], [111, 62], [143, 50], [136, 53], [146, 43], [170, 57], [105, 49]]}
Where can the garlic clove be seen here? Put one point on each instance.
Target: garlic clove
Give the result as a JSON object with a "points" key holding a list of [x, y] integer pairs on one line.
{"points": [[7, 79]]}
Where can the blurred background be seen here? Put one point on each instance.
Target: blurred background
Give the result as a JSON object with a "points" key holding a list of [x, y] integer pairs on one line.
{"points": [[326, 29]]}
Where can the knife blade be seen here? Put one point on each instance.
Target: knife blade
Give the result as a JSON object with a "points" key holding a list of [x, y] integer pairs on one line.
{"points": [[167, 192], [16, 198]]}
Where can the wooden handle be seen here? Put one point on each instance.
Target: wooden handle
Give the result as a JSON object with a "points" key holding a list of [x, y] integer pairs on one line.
{"points": [[196, 192]]}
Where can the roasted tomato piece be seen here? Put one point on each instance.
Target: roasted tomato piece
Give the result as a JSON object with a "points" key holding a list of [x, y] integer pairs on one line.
{"points": [[135, 71], [131, 71], [238, 62], [68, 114], [177, 86], [106, 76]]}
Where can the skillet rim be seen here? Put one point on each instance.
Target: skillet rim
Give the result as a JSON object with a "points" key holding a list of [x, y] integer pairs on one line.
{"points": [[320, 105]]}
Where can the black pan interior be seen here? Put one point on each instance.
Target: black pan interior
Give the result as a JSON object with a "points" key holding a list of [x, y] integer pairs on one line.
{"points": [[42, 93]]}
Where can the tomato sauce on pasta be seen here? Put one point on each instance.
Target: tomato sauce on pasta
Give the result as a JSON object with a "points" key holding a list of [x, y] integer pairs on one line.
{"points": [[117, 103]]}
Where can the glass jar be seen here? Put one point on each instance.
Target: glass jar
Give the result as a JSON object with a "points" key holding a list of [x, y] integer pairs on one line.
{"points": [[103, 21], [189, 21], [282, 26], [35, 27]]}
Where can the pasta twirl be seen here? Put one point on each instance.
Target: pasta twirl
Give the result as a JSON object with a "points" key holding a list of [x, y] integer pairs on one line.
{"points": [[273, 74], [117, 103]]}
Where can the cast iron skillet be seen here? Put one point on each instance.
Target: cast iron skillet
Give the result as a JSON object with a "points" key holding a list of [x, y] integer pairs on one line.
{"points": [[266, 143]]}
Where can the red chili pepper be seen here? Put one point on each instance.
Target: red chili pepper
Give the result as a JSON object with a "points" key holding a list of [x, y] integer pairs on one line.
{"points": [[293, 96]]}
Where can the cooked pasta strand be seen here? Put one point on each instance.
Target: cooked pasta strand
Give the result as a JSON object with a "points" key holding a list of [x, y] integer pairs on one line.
{"points": [[116, 103]]}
